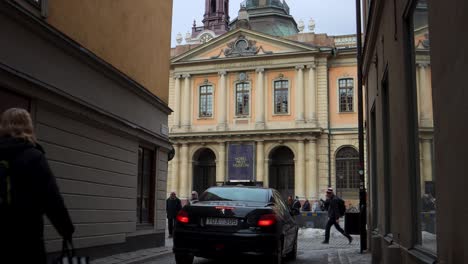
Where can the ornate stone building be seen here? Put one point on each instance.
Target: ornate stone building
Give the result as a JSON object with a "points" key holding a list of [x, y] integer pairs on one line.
{"points": [[269, 108]]}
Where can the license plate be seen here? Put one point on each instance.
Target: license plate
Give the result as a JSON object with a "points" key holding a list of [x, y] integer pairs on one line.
{"points": [[221, 221]]}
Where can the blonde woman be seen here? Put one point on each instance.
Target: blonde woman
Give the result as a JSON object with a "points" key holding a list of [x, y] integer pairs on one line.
{"points": [[28, 191]]}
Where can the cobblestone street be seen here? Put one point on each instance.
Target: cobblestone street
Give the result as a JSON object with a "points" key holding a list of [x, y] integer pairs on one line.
{"points": [[310, 251]]}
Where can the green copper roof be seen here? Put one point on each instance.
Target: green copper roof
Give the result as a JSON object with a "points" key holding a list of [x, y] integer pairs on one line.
{"points": [[269, 16]]}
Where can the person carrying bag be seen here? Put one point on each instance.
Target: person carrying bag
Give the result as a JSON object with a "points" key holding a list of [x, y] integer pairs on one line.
{"points": [[28, 191], [68, 255]]}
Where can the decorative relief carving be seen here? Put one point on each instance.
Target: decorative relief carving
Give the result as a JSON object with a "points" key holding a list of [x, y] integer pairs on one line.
{"points": [[241, 47]]}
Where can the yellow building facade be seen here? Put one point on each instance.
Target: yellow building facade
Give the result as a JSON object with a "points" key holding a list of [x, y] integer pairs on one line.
{"points": [[292, 103]]}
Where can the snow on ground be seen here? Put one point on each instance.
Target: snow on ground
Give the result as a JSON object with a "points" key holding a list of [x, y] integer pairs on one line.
{"points": [[307, 233]]}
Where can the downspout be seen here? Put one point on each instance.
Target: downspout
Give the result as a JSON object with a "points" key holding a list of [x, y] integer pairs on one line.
{"points": [[329, 128], [362, 186]]}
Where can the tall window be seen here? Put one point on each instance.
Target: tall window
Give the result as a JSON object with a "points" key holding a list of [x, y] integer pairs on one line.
{"points": [[146, 186], [424, 125], [346, 91], [242, 99], [281, 97], [213, 6], [206, 101], [347, 164]]}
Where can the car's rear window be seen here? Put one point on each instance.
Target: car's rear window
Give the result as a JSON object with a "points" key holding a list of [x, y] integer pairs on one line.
{"points": [[235, 194]]}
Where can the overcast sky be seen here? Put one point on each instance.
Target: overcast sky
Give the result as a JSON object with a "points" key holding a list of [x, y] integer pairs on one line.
{"points": [[334, 17]]}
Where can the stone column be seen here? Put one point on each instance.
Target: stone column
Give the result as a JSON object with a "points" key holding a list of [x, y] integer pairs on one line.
{"points": [[221, 170], [186, 120], [177, 98], [260, 161], [425, 97], [222, 101], [184, 171], [260, 101], [300, 95], [311, 178], [175, 170], [311, 95], [427, 160], [300, 167]]}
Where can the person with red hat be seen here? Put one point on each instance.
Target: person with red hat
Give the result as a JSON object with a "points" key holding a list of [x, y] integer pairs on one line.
{"points": [[334, 214]]}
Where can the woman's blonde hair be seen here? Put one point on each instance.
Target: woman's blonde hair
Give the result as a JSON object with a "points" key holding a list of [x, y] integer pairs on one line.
{"points": [[17, 123]]}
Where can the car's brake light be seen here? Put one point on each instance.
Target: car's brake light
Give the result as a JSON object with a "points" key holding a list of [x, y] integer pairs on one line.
{"points": [[266, 220], [182, 217]]}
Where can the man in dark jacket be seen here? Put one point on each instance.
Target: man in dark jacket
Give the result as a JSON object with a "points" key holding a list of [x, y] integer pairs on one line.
{"points": [[33, 192], [334, 217], [173, 206]]}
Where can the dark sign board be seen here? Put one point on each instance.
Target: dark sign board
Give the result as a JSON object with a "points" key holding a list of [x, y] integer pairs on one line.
{"points": [[241, 162]]}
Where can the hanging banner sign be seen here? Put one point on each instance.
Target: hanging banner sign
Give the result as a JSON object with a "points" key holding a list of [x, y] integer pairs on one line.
{"points": [[241, 162]]}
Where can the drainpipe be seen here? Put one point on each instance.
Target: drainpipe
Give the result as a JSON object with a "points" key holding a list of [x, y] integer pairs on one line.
{"points": [[362, 186], [329, 129]]}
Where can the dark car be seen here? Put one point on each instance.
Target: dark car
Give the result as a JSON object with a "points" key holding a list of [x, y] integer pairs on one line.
{"points": [[235, 221]]}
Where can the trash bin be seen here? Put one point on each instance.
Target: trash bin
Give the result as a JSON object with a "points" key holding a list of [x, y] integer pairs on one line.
{"points": [[352, 223]]}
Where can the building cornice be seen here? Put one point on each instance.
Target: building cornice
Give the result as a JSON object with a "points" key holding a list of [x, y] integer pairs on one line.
{"points": [[245, 135]]}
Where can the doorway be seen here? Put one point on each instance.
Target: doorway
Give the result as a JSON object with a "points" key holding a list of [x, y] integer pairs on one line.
{"points": [[281, 171], [204, 170]]}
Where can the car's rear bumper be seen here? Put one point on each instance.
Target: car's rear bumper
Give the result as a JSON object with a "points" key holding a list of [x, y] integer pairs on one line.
{"points": [[210, 244]]}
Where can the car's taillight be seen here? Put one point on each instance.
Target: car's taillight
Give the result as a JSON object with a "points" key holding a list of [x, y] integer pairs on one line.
{"points": [[182, 217], [267, 220]]}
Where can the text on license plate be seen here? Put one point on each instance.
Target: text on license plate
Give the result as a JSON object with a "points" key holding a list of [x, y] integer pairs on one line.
{"points": [[221, 221]]}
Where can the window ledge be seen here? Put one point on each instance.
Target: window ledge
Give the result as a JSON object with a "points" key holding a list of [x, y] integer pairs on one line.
{"points": [[347, 112], [242, 117], [423, 255], [388, 238], [205, 118], [284, 114]]}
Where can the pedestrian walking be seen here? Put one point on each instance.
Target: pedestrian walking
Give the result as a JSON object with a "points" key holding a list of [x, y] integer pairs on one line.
{"points": [[306, 206], [294, 205], [336, 209], [28, 190], [173, 206], [194, 197]]}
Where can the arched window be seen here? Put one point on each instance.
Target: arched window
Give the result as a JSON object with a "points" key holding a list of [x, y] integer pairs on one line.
{"points": [[242, 99], [346, 93], [206, 101], [347, 165], [213, 6], [281, 96]]}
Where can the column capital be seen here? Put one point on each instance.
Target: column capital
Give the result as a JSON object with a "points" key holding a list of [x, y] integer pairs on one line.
{"points": [[259, 70], [312, 66], [299, 67], [177, 76], [186, 75], [222, 72], [260, 141]]}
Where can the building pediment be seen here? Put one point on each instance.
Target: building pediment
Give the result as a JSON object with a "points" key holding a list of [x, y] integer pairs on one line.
{"points": [[243, 43]]}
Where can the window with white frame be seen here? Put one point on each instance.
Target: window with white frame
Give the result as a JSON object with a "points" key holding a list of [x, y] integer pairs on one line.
{"points": [[242, 99], [206, 101], [281, 94], [346, 94]]}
